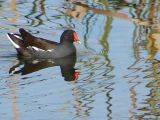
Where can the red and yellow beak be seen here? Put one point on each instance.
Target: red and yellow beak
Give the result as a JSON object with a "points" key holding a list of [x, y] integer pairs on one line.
{"points": [[76, 39], [76, 75]]}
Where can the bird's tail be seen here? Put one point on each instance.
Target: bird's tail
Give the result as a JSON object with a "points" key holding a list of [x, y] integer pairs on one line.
{"points": [[17, 42]]}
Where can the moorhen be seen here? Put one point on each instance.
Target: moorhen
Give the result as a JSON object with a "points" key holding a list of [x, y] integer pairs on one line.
{"points": [[30, 46]]}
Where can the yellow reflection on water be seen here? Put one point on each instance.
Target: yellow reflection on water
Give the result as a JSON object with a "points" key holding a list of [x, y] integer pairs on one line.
{"points": [[152, 44], [154, 98], [152, 37], [14, 9]]}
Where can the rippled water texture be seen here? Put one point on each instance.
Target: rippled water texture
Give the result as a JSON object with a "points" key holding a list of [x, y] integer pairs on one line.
{"points": [[115, 76]]}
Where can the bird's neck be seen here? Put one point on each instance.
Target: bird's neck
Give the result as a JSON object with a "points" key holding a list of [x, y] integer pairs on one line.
{"points": [[65, 41]]}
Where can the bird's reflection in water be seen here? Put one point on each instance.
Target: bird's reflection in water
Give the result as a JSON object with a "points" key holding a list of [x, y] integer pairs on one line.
{"points": [[27, 65]]}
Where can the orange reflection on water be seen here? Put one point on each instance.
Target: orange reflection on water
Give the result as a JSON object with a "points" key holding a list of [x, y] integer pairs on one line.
{"points": [[14, 97]]}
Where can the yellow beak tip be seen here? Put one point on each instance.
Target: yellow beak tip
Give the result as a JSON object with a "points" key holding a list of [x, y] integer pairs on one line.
{"points": [[79, 42]]}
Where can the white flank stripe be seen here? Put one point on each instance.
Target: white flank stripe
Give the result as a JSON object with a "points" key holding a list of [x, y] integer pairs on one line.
{"points": [[35, 61], [15, 45], [50, 50], [37, 49]]}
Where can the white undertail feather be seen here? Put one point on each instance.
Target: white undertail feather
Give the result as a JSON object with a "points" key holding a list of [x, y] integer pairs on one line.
{"points": [[14, 44], [39, 49], [17, 36]]}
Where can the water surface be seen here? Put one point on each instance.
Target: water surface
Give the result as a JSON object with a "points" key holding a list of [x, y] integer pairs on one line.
{"points": [[117, 66]]}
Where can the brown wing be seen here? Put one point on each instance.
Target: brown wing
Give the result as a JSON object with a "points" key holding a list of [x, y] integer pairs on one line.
{"points": [[41, 43]]}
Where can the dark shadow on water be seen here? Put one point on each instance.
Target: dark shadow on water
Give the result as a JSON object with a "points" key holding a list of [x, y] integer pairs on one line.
{"points": [[26, 66]]}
